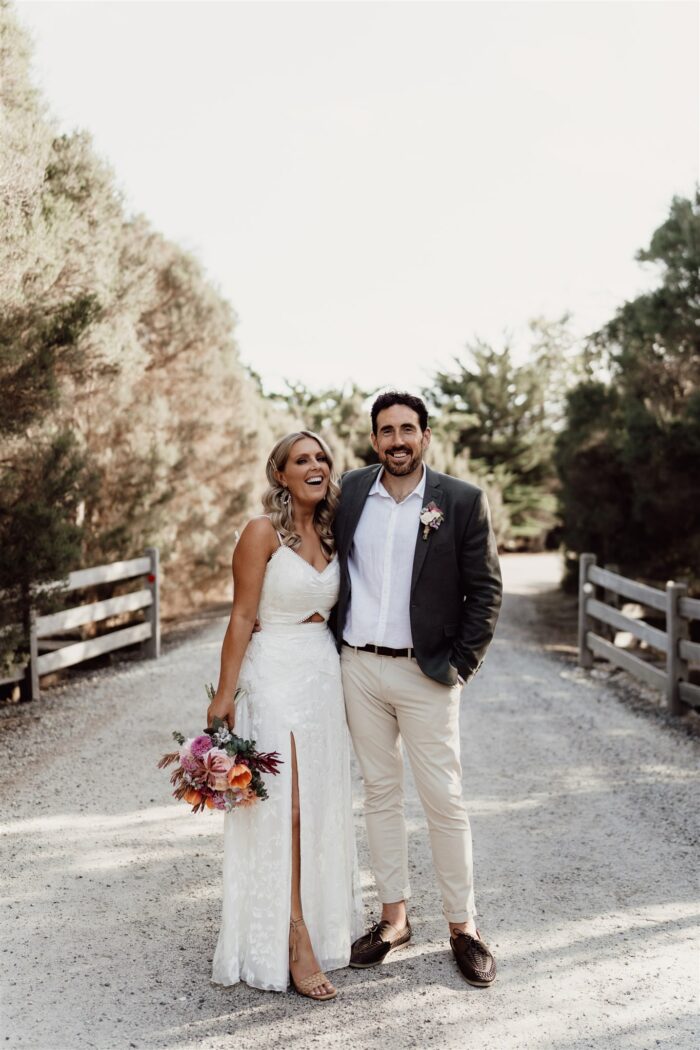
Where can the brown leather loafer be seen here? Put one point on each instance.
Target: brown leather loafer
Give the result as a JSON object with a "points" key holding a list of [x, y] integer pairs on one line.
{"points": [[374, 946], [474, 959]]}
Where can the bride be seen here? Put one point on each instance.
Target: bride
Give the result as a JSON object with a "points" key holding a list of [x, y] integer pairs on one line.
{"points": [[291, 901]]}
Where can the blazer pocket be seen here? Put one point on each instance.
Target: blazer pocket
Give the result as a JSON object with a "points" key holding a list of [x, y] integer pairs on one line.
{"points": [[451, 629]]}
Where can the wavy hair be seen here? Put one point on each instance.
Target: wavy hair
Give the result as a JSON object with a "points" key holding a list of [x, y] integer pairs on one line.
{"points": [[280, 511]]}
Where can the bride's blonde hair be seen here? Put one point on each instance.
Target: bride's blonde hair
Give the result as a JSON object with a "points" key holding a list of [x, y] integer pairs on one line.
{"points": [[277, 502]]}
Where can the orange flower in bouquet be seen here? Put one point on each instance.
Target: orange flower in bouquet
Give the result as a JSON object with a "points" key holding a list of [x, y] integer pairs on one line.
{"points": [[239, 776]]}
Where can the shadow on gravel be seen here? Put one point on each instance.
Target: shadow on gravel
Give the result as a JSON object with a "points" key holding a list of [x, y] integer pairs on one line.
{"points": [[121, 926], [585, 845], [142, 898]]}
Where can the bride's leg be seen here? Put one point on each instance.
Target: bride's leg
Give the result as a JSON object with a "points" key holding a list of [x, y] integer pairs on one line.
{"points": [[306, 962]]}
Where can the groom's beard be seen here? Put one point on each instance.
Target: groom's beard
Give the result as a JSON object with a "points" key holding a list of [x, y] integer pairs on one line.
{"points": [[399, 470]]}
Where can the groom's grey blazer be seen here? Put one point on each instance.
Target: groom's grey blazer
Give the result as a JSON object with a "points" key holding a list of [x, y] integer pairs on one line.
{"points": [[456, 581]]}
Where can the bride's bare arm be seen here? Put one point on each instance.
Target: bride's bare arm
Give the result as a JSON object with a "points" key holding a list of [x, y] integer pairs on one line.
{"points": [[249, 562]]}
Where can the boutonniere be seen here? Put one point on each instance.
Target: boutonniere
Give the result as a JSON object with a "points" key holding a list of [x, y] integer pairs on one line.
{"points": [[431, 518]]}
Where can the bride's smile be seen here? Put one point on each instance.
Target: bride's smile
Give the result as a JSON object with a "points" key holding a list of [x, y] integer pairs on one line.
{"points": [[306, 473]]}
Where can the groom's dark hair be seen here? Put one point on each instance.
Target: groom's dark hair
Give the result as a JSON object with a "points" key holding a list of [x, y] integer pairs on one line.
{"points": [[397, 397]]}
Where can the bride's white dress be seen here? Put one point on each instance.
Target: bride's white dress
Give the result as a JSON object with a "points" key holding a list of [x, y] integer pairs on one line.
{"points": [[291, 678]]}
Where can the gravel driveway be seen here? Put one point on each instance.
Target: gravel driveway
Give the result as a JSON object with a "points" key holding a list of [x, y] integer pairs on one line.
{"points": [[585, 821]]}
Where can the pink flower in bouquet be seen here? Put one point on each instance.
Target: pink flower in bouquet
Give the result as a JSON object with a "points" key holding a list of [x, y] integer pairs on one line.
{"points": [[188, 762], [200, 745], [216, 764]]}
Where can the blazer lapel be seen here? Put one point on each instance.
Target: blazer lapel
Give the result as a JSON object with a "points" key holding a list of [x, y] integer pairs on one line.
{"points": [[357, 500], [433, 492]]}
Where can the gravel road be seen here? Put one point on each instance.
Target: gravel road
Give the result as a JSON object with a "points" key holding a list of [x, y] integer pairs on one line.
{"points": [[585, 820]]}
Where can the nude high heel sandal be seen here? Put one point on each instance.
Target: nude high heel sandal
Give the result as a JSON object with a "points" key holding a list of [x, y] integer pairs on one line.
{"points": [[306, 984]]}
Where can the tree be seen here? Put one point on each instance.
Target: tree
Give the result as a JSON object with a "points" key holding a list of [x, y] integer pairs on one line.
{"points": [[652, 344], [42, 483], [123, 403], [505, 417], [628, 457]]}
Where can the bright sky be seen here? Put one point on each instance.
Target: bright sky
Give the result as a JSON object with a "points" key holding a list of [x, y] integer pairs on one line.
{"points": [[374, 184]]}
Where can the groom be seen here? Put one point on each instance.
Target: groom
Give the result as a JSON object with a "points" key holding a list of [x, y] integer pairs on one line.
{"points": [[419, 598]]}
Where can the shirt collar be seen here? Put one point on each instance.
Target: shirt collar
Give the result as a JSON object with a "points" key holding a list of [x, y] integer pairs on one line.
{"points": [[379, 490]]}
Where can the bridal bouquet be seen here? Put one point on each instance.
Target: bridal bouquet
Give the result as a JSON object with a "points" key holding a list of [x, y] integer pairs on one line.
{"points": [[218, 770]]}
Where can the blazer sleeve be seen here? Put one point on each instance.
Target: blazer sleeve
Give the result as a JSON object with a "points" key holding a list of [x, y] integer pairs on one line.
{"points": [[483, 590]]}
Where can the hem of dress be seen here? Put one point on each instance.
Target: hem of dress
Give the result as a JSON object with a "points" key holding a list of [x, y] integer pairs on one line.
{"points": [[329, 967], [250, 983]]}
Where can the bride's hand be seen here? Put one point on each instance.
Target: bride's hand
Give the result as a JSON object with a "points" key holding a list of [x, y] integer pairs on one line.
{"points": [[222, 707]]}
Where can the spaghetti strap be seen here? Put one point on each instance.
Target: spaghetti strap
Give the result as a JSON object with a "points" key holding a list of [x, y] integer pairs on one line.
{"points": [[277, 534]]}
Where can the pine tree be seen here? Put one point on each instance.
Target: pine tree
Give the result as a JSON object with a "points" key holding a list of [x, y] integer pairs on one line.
{"points": [[505, 415], [628, 458]]}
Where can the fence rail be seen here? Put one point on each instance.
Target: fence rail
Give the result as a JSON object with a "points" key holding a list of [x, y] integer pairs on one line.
{"points": [[673, 643], [64, 653]]}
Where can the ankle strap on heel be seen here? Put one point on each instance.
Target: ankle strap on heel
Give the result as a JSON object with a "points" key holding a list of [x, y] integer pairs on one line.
{"points": [[294, 925]]}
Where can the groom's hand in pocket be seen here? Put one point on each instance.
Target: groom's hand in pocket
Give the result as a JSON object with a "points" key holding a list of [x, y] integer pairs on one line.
{"points": [[460, 680]]}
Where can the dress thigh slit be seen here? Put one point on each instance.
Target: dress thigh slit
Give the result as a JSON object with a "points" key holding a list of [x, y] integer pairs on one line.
{"points": [[307, 848]]}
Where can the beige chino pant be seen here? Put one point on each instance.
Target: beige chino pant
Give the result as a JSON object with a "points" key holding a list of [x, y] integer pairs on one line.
{"points": [[389, 699]]}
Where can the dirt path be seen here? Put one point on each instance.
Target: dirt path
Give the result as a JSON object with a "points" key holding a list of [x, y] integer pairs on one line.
{"points": [[585, 820]]}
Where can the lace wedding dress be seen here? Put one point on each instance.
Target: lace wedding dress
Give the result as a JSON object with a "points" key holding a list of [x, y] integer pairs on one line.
{"points": [[291, 678]]}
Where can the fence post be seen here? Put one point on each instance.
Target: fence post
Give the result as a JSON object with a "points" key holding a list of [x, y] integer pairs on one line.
{"points": [[152, 644], [676, 628], [612, 599], [29, 686], [585, 589]]}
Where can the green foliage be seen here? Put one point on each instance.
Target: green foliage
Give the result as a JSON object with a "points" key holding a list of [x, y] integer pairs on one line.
{"points": [[628, 457], [504, 417], [340, 415], [39, 537], [652, 345], [36, 349], [42, 483]]}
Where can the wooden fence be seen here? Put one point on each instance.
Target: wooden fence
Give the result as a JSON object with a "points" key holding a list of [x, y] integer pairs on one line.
{"points": [[47, 653], [671, 678]]}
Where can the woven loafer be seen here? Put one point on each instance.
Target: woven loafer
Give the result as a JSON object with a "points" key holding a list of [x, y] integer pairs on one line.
{"points": [[373, 948], [474, 959]]}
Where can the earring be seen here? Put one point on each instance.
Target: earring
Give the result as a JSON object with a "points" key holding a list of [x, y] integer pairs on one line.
{"points": [[286, 496]]}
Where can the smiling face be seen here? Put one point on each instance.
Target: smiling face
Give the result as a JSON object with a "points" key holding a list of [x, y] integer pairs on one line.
{"points": [[399, 441], [307, 472]]}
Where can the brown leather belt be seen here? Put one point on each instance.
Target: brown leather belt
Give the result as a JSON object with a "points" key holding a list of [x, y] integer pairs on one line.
{"points": [[380, 650]]}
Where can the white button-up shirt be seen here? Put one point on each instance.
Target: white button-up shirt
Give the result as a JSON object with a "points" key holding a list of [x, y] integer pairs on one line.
{"points": [[380, 565]]}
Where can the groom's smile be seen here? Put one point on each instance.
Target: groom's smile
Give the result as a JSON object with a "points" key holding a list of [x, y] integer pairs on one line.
{"points": [[399, 441], [399, 455]]}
